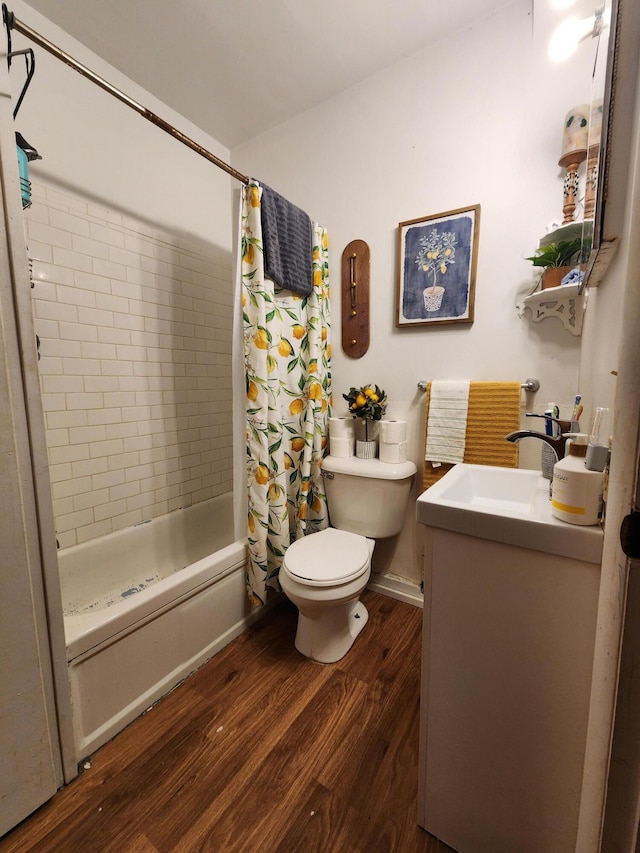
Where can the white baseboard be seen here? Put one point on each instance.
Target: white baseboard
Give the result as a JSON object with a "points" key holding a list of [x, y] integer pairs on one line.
{"points": [[399, 588]]}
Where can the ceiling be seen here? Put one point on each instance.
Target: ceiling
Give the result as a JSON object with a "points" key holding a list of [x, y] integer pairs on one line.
{"points": [[236, 68]]}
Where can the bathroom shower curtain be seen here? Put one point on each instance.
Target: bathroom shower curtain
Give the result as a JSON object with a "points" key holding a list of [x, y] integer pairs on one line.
{"points": [[288, 395]]}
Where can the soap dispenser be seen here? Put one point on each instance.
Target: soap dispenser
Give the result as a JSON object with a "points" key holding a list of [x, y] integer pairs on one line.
{"points": [[576, 492]]}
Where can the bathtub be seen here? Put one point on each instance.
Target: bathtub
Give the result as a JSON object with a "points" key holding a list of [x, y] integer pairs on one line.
{"points": [[143, 608]]}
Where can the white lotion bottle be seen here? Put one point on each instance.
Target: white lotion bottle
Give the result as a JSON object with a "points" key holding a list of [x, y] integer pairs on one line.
{"points": [[576, 492]]}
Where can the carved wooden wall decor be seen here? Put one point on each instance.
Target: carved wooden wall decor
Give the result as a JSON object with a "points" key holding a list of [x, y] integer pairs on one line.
{"points": [[355, 298]]}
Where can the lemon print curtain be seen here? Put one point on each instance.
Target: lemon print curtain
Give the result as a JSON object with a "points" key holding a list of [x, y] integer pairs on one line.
{"points": [[288, 392]]}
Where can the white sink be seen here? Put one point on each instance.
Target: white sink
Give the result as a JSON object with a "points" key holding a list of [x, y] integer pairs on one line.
{"points": [[509, 505]]}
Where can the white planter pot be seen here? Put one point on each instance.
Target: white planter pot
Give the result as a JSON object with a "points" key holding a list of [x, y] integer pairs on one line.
{"points": [[365, 449]]}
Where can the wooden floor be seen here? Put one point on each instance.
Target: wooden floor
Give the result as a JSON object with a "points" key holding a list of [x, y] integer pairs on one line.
{"points": [[261, 750]]}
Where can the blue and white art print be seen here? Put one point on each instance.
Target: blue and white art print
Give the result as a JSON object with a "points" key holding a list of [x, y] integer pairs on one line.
{"points": [[437, 268]]}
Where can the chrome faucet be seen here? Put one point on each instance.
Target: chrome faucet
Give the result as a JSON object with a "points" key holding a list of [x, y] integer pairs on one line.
{"points": [[557, 444]]}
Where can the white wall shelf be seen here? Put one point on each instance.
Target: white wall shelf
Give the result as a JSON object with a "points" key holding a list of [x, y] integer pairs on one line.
{"points": [[564, 302], [570, 231]]}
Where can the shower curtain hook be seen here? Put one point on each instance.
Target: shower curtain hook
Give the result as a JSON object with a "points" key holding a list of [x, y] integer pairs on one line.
{"points": [[27, 53], [7, 20]]}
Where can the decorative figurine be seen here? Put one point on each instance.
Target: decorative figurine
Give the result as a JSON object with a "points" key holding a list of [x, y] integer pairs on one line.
{"points": [[574, 152]]}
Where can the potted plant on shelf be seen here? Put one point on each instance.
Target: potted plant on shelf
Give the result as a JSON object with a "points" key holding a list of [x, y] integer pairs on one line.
{"points": [[558, 259], [368, 403]]}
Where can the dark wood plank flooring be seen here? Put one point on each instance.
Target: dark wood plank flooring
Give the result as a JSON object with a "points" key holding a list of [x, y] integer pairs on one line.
{"points": [[261, 750]]}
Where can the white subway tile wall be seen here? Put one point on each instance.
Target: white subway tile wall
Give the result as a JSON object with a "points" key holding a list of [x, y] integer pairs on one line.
{"points": [[135, 331]]}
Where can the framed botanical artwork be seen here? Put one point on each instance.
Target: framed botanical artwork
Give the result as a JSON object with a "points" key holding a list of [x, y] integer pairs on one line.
{"points": [[437, 258]]}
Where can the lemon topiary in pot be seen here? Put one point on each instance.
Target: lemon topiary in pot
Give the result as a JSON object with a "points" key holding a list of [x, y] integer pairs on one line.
{"points": [[368, 403]]}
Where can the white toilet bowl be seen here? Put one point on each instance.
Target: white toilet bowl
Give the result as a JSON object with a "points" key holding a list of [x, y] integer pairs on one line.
{"points": [[324, 575]]}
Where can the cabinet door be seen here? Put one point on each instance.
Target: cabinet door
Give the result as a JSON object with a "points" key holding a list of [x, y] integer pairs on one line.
{"points": [[508, 651]]}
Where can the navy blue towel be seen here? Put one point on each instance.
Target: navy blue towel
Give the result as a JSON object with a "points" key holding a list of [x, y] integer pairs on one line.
{"points": [[286, 242]]}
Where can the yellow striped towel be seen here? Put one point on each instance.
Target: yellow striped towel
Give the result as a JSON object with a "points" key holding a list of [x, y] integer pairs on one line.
{"points": [[493, 411]]}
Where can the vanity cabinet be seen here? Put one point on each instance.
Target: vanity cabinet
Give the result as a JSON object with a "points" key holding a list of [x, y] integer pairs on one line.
{"points": [[508, 651], [508, 641]]}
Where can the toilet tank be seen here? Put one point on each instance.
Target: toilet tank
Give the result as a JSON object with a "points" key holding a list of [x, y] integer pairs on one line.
{"points": [[367, 496]]}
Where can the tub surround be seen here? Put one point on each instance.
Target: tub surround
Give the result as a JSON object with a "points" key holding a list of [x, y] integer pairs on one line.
{"points": [[135, 335]]}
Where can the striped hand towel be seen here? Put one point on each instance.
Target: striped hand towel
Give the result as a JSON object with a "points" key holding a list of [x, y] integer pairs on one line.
{"points": [[447, 422]]}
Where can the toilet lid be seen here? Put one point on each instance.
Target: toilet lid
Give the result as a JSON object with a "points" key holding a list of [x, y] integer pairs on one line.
{"points": [[330, 556]]}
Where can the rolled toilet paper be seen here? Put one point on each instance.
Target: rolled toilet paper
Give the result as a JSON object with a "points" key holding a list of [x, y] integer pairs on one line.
{"points": [[341, 447], [340, 427], [396, 452], [393, 432]]}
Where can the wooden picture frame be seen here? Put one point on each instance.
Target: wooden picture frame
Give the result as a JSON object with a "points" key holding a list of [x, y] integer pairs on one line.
{"points": [[437, 258]]}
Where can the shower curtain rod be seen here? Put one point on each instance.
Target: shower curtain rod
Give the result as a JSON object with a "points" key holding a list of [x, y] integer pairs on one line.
{"points": [[13, 23]]}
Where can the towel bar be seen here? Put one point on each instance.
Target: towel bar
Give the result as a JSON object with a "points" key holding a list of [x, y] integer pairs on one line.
{"points": [[530, 385]]}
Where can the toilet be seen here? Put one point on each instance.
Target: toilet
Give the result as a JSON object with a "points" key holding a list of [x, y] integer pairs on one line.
{"points": [[324, 573]]}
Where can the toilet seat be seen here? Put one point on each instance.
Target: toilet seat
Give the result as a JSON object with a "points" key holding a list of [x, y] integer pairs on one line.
{"points": [[329, 557]]}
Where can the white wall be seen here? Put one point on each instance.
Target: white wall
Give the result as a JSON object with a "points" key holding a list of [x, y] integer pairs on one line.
{"points": [[474, 119], [95, 146]]}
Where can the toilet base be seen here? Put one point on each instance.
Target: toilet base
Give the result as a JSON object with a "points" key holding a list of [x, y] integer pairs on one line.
{"points": [[328, 637]]}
